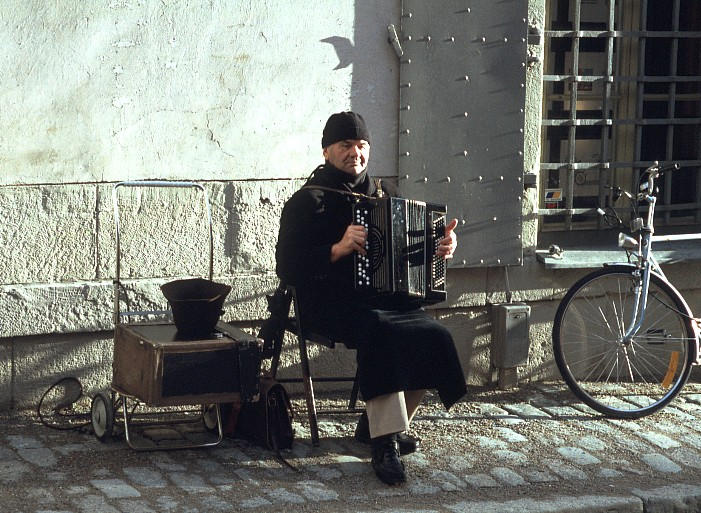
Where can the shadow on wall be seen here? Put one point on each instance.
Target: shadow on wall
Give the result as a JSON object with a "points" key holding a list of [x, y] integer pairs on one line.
{"points": [[39, 361], [541, 362], [375, 78], [471, 329], [475, 350]]}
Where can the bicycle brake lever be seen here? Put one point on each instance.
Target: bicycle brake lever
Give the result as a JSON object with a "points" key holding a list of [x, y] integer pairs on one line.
{"points": [[616, 192]]}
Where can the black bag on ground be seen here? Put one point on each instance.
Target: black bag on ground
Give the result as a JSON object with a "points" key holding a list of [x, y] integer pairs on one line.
{"points": [[268, 421]]}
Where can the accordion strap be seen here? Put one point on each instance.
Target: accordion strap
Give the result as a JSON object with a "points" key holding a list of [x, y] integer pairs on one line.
{"points": [[331, 189]]}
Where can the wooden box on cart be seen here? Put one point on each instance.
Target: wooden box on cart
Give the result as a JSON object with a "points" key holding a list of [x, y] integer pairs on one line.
{"points": [[153, 365]]}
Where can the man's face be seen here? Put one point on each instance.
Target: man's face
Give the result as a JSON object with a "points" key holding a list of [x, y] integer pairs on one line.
{"points": [[350, 156]]}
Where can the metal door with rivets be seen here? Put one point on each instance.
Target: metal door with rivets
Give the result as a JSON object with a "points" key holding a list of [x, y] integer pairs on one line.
{"points": [[461, 120]]}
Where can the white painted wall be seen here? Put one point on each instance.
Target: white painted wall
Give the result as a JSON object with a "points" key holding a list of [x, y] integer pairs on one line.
{"points": [[206, 90]]}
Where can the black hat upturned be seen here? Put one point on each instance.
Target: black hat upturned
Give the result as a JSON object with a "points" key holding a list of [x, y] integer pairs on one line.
{"points": [[342, 126], [196, 304]]}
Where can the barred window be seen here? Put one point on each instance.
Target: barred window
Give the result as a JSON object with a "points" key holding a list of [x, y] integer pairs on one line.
{"points": [[622, 88]]}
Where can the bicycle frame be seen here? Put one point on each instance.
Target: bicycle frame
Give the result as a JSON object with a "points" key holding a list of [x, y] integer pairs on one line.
{"points": [[647, 263]]}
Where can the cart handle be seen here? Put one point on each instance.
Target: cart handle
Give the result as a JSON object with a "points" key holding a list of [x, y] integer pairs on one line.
{"points": [[155, 183]]}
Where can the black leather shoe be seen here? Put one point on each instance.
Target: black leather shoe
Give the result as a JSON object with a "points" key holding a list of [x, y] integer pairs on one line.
{"points": [[406, 443], [385, 460]]}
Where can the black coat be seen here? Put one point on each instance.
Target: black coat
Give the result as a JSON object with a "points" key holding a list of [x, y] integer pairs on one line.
{"points": [[399, 346]]}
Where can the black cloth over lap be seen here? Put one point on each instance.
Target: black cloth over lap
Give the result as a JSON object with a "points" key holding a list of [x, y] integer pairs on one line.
{"points": [[396, 350]]}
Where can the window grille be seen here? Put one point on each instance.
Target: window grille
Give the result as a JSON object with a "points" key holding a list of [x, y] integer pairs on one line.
{"points": [[622, 88]]}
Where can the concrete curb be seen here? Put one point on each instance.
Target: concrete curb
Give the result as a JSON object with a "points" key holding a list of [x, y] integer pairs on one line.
{"points": [[670, 499], [564, 504]]}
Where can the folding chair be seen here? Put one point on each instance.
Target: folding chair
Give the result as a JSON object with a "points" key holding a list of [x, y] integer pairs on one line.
{"points": [[274, 328]]}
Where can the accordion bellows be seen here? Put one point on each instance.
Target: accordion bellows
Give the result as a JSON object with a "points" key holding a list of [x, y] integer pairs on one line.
{"points": [[402, 239]]}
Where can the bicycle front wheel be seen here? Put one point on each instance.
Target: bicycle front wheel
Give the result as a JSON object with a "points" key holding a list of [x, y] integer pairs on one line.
{"points": [[624, 379]]}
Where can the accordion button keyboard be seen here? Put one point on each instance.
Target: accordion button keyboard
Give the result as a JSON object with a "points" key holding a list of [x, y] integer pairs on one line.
{"points": [[363, 269]]}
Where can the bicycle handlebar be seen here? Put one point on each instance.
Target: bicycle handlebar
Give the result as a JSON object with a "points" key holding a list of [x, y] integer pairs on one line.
{"points": [[647, 186], [646, 192], [656, 168]]}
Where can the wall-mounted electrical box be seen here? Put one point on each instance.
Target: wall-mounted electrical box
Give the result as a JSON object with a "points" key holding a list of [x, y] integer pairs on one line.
{"points": [[510, 342]]}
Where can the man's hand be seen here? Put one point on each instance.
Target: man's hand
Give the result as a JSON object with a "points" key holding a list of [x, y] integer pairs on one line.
{"points": [[447, 245], [353, 240]]}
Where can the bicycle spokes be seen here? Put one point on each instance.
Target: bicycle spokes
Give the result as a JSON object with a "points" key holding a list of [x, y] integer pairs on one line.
{"points": [[614, 368]]}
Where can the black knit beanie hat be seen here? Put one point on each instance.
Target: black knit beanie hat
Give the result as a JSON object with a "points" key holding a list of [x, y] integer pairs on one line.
{"points": [[342, 126]]}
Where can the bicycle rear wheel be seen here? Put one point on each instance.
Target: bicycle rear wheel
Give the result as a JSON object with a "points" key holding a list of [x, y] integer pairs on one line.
{"points": [[624, 380]]}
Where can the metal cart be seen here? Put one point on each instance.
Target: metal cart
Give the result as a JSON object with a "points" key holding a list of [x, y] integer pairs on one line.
{"points": [[153, 368]]}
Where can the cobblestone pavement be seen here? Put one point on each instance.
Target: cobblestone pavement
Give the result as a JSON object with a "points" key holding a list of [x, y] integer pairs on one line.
{"points": [[532, 450]]}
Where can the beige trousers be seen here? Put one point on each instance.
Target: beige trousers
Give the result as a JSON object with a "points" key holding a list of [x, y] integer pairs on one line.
{"points": [[391, 413]]}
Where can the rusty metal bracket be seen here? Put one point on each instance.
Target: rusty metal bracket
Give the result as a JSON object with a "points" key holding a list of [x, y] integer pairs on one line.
{"points": [[393, 39]]}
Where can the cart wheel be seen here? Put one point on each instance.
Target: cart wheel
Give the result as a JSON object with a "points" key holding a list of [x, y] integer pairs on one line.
{"points": [[209, 416], [102, 416]]}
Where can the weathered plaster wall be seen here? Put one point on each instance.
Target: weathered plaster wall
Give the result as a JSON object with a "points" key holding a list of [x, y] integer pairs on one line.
{"points": [[218, 89]]}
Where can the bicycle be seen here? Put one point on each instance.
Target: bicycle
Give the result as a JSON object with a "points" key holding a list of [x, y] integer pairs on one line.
{"points": [[624, 338]]}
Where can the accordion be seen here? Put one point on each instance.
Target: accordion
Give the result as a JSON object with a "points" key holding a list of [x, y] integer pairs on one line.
{"points": [[402, 239]]}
